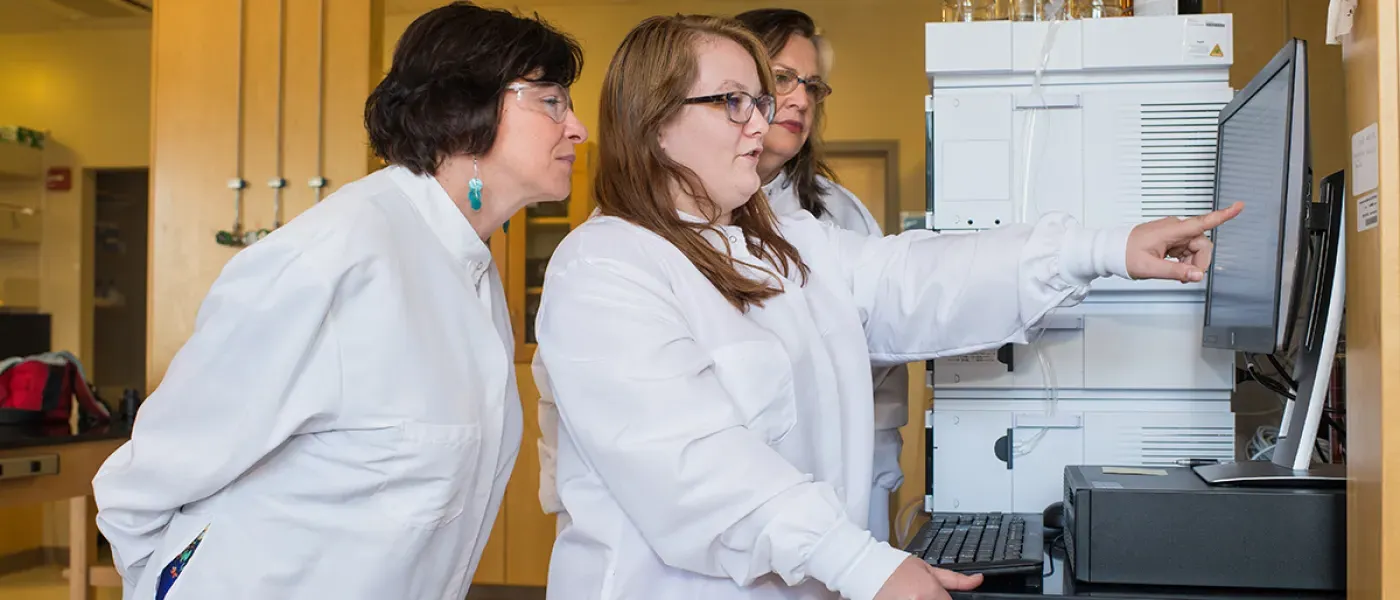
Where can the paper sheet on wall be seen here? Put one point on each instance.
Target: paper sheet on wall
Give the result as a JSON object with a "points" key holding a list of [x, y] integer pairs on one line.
{"points": [[1339, 15], [1365, 160]]}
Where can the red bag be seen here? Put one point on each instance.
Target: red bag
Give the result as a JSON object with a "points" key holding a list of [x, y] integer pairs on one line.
{"points": [[41, 389]]}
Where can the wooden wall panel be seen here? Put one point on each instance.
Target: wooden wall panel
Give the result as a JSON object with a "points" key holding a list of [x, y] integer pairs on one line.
{"points": [[528, 533], [1371, 57], [261, 74], [196, 131], [1307, 20], [1260, 30], [194, 53]]}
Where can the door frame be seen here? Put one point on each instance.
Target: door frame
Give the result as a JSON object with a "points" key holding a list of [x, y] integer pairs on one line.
{"points": [[890, 222]]}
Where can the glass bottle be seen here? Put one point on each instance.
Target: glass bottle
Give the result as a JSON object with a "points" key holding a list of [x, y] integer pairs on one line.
{"points": [[1101, 9], [972, 10], [1037, 10]]}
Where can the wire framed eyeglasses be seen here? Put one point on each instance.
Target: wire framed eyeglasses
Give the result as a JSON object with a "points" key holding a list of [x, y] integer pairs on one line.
{"points": [[786, 81], [546, 97]]}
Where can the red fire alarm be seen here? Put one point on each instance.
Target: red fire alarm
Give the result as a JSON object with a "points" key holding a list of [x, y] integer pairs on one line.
{"points": [[59, 179]]}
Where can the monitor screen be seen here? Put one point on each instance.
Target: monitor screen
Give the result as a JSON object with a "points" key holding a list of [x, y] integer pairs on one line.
{"points": [[1252, 169], [24, 334]]}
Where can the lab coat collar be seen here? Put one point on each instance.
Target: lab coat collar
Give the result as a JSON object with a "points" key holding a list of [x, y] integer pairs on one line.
{"points": [[736, 236], [778, 184], [443, 217]]}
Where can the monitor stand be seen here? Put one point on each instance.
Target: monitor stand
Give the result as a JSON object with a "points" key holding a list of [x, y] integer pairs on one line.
{"points": [[1292, 465], [1267, 473]]}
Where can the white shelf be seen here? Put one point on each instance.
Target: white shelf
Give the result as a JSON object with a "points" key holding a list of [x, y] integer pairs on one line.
{"points": [[20, 162]]}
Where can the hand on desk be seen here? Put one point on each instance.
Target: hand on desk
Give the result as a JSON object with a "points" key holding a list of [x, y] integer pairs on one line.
{"points": [[1151, 243], [916, 580]]}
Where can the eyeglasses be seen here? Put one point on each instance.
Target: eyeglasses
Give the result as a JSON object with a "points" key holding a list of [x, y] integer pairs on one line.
{"points": [[542, 96], [740, 105], [786, 82]]}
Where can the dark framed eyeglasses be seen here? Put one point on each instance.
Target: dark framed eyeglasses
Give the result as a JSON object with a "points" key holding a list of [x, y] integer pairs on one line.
{"points": [[787, 81], [740, 105]]}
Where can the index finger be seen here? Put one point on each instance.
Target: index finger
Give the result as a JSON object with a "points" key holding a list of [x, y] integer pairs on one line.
{"points": [[1206, 222]]}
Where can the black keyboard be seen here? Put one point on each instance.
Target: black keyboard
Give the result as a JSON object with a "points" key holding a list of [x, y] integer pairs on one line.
{"points": [[994, 544]]}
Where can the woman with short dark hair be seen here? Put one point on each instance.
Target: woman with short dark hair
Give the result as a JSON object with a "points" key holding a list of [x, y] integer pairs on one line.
{"points": [[343, 420]]}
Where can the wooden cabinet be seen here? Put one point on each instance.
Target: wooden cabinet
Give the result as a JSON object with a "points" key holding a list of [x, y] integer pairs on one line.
{"points": [[534, 233], [523, 536], [19, 226], [19, 292]]}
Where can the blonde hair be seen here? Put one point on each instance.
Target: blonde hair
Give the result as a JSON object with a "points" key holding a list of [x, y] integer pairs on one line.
{"points": [[647, 82]]}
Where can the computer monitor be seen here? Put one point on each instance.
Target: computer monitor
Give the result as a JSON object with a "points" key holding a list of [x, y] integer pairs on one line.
{"points": [[1280, 262], [1263, 159], [24, 333]]}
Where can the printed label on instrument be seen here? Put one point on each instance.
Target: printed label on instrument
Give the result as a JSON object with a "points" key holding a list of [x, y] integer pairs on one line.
{"points": [[975, 358], [1368, 212], [1204, 39], [1133, 471]]}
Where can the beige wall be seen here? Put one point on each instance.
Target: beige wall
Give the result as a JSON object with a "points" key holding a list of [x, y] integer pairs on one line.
{"points": [[90, 90], [878, 76]]}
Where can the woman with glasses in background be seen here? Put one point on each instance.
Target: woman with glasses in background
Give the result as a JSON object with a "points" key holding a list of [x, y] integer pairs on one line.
{"points": [[796, 177], [342, 422]]}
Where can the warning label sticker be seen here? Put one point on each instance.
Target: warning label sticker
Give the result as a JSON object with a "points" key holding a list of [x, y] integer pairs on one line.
{"points": [[1204, 39]]}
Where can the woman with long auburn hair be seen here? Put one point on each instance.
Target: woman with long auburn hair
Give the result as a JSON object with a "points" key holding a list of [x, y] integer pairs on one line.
{"points": [[710, 362]]}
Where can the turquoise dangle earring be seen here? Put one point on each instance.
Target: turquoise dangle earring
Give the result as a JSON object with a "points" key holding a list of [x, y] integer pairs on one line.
{"points": [[474, 187]]}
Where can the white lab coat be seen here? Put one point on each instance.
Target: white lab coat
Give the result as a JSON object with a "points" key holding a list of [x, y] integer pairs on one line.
{"points": [[343, 419], [706, 453], [891, 383]]}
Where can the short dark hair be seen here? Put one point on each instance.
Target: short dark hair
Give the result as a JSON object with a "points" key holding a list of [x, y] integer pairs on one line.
{"points": [[441, 96], [774, 26]]}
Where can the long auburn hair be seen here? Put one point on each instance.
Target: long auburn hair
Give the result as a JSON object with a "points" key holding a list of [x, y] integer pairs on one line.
{"points": [[646, 84], [774, 27]]}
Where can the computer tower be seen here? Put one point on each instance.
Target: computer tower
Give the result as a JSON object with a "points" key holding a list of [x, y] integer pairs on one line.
{"points": [[1167, 527]]}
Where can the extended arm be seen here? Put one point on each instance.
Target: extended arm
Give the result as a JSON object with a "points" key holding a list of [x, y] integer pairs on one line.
{"points": [[928, 295]]}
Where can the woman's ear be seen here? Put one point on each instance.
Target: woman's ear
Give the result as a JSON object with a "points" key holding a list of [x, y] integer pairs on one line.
{"points": [[661, 137]]}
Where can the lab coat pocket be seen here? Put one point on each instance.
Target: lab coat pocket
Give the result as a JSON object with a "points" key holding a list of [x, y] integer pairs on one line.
{"points": [[434, 473], [178, 539], [758, 377]]}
